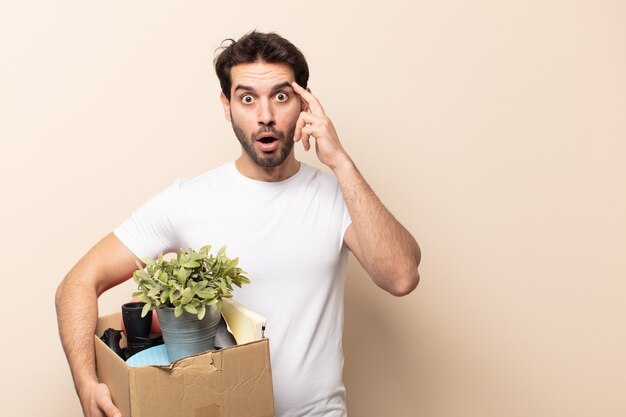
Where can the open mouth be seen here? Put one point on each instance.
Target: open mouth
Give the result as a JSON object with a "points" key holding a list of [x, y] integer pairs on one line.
{"points": [[268, 139], [267, 143]]}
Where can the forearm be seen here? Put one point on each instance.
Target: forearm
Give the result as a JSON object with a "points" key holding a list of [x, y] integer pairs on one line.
{"points": [[77, 313], [387, 250], [107, 264]]}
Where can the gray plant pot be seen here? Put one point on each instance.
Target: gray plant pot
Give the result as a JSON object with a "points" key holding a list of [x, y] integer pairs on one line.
{"points": [[186, 335]]}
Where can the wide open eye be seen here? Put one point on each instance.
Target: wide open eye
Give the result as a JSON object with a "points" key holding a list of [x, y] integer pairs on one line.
{"points": [[281, 96], [247, 99]]}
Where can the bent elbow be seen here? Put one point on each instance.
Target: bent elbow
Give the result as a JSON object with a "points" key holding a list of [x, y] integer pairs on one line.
{"points": [[408, 276], [58, 295], [407, 284]]}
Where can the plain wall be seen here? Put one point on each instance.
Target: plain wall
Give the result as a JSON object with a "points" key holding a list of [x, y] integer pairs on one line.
{"points": [[494, 131]]}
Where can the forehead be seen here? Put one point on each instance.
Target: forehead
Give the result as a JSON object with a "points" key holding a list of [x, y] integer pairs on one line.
{"points": [[260, 74]]}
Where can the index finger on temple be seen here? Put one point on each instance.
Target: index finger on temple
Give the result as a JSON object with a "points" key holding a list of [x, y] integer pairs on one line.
{"points": [[314, 104]]}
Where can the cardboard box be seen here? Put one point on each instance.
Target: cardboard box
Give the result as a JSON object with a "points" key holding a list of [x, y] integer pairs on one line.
{"points": [[232, 382]]}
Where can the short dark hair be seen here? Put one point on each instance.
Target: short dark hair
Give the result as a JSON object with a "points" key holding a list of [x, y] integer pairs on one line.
{"points": [[257, 46]]}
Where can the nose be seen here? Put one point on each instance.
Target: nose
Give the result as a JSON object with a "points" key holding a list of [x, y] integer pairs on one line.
{"points": [[265, 114]]}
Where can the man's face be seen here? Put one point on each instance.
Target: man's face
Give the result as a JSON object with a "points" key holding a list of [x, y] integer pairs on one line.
{"points": [[263, 109]]}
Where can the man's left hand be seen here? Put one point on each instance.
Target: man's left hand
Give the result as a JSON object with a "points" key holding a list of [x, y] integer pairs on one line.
{"points": [[313, 123]]}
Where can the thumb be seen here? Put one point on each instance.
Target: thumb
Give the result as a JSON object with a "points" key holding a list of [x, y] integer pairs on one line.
{"points": [[107, 407], [110, 410]]}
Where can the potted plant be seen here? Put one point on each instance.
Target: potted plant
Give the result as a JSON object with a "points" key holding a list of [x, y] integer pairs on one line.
{"points": [[186, 292]]}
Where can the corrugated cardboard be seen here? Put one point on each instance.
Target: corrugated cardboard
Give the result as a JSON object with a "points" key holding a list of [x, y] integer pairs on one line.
{"points": [[232, 382]]}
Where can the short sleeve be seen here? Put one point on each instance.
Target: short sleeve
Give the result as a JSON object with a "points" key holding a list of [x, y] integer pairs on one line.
{"points": [[346, 219], [151, 229]]}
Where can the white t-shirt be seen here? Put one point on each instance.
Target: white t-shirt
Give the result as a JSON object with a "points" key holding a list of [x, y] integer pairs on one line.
{"points": [[289, 238]]}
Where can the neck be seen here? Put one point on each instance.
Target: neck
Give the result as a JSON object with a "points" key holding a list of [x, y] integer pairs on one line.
{"points": [[279, 173]]}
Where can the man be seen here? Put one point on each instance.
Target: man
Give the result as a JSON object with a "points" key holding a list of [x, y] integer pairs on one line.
{"points": [[290, 224]]}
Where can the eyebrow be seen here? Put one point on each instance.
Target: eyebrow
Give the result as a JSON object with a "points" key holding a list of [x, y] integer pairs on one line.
{"points": [[274, 88]]}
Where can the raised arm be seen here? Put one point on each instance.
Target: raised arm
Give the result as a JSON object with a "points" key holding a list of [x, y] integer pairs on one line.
{"points": [[386, 250], [107, 264]]}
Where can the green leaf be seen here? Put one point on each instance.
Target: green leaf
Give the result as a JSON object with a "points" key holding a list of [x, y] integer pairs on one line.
{"points": [[164, 295], [187, 295], [174, 295], [206, 294], [146, 309], [142, 274], [222, 251], [190, 309], [191, 264], [156, 290], [142, 297], [178, 311], [181, 274], [201, 312]]}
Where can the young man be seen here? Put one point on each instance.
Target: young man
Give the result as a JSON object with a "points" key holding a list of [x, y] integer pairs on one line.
{"points": [[290, 224]]}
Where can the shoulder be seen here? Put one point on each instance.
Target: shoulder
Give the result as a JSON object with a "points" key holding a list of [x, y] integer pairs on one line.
{"points": [[323, 178], [322, 183], [202, 183]]}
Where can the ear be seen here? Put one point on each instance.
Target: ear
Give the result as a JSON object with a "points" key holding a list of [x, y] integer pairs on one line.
{"points": [[226, 104]]}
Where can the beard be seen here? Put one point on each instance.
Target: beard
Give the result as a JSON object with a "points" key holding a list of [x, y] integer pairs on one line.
{"points": [[266, 159]]}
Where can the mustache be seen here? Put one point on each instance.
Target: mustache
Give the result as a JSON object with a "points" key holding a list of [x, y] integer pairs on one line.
{"points": [[268, 129]]}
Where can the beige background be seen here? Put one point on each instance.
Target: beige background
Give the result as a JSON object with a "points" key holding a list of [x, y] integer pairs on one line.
{"points": [[494, 131]]}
